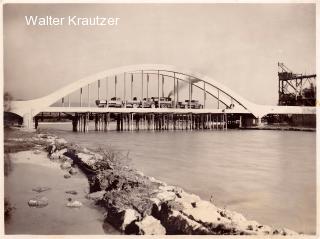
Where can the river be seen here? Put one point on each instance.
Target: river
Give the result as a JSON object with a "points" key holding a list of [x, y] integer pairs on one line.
{"points": [[268, 176]]}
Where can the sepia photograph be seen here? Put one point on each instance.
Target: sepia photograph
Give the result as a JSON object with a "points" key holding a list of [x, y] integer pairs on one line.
{"points": [[159, 118]]}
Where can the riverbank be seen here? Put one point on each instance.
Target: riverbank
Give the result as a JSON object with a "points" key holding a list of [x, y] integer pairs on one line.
{"points": [[31, 177], [280, 127], [136, 204]]}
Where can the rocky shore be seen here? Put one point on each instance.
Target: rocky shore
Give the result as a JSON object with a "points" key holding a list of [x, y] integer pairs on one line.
{"points": [[138, 204]]}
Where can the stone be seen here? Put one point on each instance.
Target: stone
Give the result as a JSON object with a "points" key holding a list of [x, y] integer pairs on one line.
{"points": [[59, 154], [204, 212], [37, 151], [140, 173], [177, 223], [51, 148], [61, 141], [73, 171], [150, 226], [54, 156], [152, 179], [129, 216], [166, 196], [74, 204], [67, 176], [284, 232], [170, 188], [187, 200], [96, 195], [66, 159], [40, 189], [73, 192], [98, 156], [65, 165], [288, 232], [235, 217], [38, 202], [62, 152], [87, 158], [156, 202]]}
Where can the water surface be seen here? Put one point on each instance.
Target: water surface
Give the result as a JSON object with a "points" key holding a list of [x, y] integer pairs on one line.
{"points": [[269, 176], [30, 171]]}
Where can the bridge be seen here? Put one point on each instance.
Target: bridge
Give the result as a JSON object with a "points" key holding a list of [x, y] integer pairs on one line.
{"points": [[218, 104]]}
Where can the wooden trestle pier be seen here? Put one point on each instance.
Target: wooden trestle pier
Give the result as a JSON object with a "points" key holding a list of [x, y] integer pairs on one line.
{"points": [[149, 121]]}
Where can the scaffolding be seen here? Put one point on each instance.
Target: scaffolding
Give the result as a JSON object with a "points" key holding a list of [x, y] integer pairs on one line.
{"points": [[296, 89]]}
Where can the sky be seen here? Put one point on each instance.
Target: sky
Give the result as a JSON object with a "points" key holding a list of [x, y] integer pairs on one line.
{"points": [[238, 45]]}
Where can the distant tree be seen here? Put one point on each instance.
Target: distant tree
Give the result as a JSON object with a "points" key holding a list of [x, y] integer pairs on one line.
{"points": [[7, 98]]}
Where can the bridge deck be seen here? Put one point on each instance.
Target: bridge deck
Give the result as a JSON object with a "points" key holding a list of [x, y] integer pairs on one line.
{"points": [[270, 110], [142, 110]]}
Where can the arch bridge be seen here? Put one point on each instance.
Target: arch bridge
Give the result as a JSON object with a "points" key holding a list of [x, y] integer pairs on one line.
{"points": [[189, 93]]}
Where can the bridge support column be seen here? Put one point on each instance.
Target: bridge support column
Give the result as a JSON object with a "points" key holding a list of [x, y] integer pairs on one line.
{"points": [[96, 123], [36, 119], [75, 123], [258, 121], [27, 121], [79, 123], [121, 122], [226, 121], [118, 122]]}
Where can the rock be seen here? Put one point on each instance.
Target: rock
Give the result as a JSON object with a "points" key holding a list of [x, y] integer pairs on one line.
{"points": [[58, 154], [284, 232], [87, 159], [73, 192], [166, 196], [74, 204], [61, 141], [37, 151], [288, 232], [174, 205], [152, 179], [54, 156], [265, 229], [51, 148], [65, 165], [177, 223], [187, 200], [98, 156], [38, 202], [204, 212], [66, 159], [250, 227], [170, 188], [67, 176], [150, 226], [40, 189], [42, 136], [73, 171], [129, 216], [156, 202], [96, 195], [140, 173]]}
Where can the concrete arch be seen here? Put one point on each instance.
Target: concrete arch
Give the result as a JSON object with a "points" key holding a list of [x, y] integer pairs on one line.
{"points": [[33, 107]]}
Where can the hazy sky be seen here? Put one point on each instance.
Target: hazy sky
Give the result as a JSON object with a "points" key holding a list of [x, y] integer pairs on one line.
{"points": [[238, 45]]}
